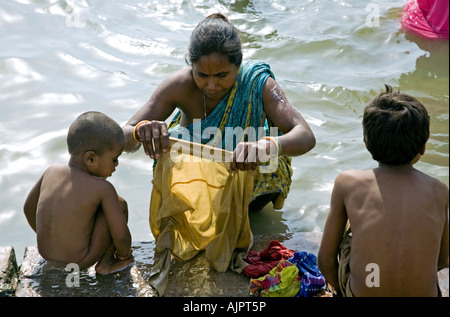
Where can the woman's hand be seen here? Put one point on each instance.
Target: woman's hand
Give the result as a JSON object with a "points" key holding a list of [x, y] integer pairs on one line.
{"points": [[248, 155], [154, 137]]}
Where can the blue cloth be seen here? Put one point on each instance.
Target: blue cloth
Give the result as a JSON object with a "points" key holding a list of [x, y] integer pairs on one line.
{"points": [[312, 279]]}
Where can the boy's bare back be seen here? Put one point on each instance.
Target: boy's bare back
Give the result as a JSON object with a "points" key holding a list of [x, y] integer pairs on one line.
{"points": [[68, 202], [397, 215], [76, 213]]}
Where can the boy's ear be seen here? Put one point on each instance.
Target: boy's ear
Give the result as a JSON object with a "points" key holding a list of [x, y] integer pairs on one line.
{"points": [[422, 151], [89, 158]]}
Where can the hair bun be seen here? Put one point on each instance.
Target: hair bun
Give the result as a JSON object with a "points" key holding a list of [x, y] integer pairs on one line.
{"points": [[219, 16]]}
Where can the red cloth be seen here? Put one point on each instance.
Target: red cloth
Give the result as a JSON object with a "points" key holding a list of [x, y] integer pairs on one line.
{"points": [[260, 263]]}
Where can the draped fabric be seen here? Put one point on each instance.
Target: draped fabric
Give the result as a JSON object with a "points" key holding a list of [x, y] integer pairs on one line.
{"points": [[239, 117], [426, 18], [198, 204]]}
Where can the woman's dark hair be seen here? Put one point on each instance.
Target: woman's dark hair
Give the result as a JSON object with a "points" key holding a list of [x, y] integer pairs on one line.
{"points": [[396, 126], [215, 35], [93, 131]]}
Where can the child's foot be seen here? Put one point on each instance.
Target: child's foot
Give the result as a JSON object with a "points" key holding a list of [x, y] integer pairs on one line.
{"points": [[113, 265]]}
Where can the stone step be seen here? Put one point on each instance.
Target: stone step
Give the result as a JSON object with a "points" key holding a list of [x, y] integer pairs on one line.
{"points": [[8, 271], [35, 278]]}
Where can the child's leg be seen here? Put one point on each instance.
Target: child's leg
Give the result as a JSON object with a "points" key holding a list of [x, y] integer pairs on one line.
{"points": [[108, 262], [101, 248], [100, 241]]}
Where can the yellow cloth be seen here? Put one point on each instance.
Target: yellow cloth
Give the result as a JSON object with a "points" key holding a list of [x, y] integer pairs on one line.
{"points": [[282, 281], [198, 204]]}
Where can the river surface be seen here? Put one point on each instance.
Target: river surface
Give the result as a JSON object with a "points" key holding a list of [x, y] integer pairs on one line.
{"points": [[60, 58]]}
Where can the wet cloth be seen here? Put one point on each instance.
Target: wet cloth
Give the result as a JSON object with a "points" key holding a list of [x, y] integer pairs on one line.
{"points": [[427, 18], [312, 279], [260, 263], [344, 263], [282, 281], [198, 204], [240, 117], [269, 278]]}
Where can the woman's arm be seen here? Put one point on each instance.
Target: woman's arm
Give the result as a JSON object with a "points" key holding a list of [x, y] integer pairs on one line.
{"points": [[153, 134], [297, 138]]}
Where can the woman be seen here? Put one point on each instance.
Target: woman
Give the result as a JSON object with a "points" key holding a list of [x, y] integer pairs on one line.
{"points": [[224, 92]]}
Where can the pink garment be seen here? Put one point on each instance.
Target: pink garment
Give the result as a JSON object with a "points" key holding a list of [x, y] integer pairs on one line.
{"points": [[426, 18]]}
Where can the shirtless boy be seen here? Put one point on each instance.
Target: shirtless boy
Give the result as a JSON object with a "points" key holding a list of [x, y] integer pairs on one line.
{"points": [[77, 215], [398, 215]]}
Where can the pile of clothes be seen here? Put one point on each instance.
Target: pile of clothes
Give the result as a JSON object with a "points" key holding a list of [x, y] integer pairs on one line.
{"points": [[280, 272]]}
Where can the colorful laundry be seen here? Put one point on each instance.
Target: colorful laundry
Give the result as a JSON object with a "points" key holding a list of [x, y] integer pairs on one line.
{"points": [[260, 263], [282, 281], [282, 272], [312, 279]]}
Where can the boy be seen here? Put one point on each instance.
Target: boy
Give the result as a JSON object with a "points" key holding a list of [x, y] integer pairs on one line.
{"points": [[77, 215], [397, 214]]}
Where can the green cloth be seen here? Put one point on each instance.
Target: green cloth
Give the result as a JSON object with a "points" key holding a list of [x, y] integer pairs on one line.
{"points": [[282, 281]]}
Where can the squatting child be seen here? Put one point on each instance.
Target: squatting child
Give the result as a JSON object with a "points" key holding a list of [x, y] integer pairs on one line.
{"points": [[77, 215]]}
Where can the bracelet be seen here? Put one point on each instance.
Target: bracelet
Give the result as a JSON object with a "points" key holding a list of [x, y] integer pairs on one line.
{"points": [[277, 143], [135, 130]]}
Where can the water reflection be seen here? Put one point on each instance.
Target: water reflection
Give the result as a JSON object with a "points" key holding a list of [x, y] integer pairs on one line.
{"points": [[75, 56], [432, 76]]}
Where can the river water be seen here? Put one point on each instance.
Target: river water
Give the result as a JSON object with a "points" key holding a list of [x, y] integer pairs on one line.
{"points": [[60, 58]]}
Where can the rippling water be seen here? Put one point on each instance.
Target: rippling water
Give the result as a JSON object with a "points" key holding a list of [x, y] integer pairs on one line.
{"points": [[60, 58]]}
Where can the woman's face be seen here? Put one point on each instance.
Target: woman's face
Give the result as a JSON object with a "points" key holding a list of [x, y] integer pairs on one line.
{"points": [[214, 75]]}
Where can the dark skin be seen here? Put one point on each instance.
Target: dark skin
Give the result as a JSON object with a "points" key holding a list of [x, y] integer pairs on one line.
{"points": [[68, 198], [209, 80], [399, 220]]}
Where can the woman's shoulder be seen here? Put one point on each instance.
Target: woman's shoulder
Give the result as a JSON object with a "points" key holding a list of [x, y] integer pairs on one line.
{"points": [[179, 80], [252, 69], [183, 75]]}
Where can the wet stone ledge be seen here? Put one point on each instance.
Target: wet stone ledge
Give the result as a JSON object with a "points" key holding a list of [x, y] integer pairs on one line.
{"points": [[36, 278], [8, 271]]}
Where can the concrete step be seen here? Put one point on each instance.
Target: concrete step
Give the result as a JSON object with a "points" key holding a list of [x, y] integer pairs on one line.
{"points": [[36, 278]]}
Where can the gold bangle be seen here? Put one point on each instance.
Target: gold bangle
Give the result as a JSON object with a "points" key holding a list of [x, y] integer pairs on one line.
{"points": [[275, 141], [135, 130]]}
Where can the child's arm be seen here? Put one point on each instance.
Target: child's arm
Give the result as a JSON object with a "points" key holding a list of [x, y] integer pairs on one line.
{"points": [[332, 235], [117, 222], [30, 206]]}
